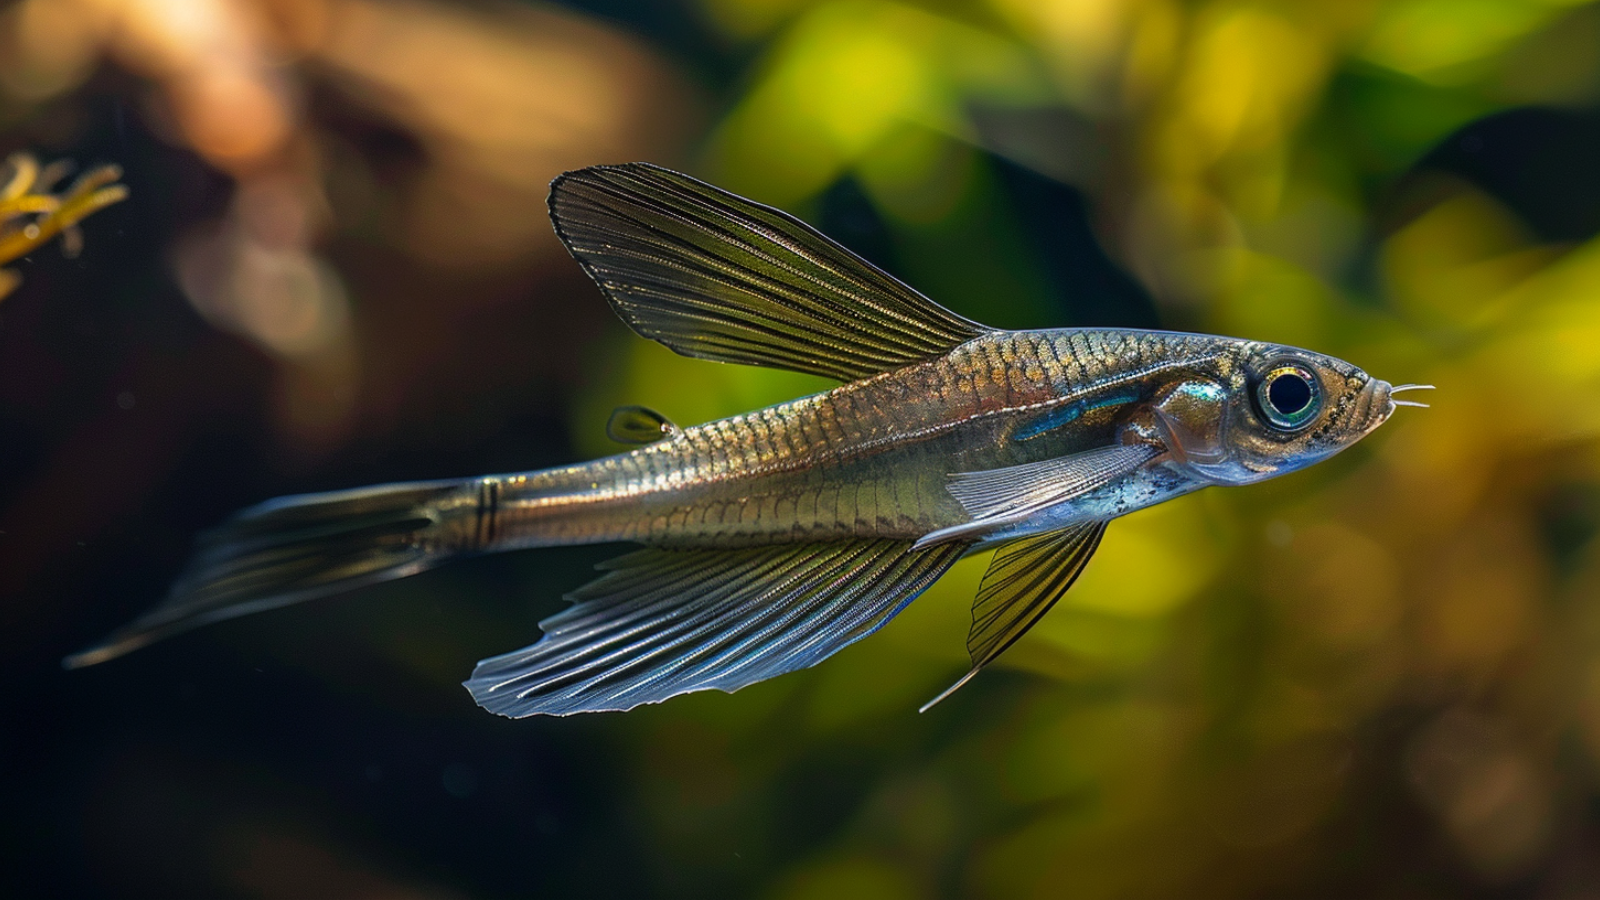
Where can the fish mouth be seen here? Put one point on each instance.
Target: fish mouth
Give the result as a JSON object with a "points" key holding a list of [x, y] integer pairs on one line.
{"points": [[1376, 405], [1379, 403]]}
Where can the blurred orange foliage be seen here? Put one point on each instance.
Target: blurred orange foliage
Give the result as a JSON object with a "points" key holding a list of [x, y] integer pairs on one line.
{"points": [[498, 98]]}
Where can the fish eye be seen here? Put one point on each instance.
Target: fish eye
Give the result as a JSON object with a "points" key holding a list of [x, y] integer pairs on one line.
{"points": [[1289, 397]]}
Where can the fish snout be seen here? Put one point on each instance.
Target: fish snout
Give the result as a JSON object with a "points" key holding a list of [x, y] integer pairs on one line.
{"points": [[1374, 404], [1380, 402]]}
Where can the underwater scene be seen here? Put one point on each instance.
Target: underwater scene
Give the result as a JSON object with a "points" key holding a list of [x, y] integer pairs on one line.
{"points": [[794, 449]]}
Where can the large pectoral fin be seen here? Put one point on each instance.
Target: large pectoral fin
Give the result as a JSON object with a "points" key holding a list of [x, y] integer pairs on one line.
{"points": [[1025, 579], [713, 275], [999, 497], [665, 622]]}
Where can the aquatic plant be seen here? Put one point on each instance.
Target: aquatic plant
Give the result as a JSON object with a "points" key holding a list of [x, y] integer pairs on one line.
{"points": [[30, 215]]}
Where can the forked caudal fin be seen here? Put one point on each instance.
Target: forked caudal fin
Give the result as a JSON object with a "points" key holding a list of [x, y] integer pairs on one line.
{"points": [[298, 548]]}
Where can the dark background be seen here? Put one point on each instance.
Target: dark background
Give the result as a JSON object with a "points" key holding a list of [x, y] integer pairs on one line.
{"points": [[1381, 678]]}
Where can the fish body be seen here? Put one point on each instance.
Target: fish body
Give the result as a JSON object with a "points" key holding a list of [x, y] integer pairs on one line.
{"points": [[868, 459], [873, 458], [776, 537]]}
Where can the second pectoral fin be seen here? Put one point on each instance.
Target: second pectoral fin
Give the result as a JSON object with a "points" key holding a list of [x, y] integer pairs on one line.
{"points": [[1024, 580], [995, 498]]}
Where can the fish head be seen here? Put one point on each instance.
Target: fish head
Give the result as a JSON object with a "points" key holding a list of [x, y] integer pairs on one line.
{"points": [[1272, 409]]}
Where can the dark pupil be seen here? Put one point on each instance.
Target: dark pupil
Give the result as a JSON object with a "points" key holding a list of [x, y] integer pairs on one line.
{"points": [[1289, 394]]}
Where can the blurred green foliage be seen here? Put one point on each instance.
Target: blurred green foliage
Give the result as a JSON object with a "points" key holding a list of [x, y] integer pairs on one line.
{"points": [[1295, 689]]}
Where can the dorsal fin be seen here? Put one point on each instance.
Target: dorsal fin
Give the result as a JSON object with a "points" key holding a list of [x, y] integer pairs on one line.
{"points": [[715, 276], [639, 425]]}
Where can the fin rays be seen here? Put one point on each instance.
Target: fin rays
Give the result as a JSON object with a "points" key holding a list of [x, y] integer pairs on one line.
{"points": [[660, 623], [289, 550], [716, 276], [1025, 579], [995, 498]]}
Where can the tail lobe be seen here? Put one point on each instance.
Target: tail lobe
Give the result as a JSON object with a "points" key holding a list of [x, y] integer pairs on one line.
{"points": [[301, 548]]}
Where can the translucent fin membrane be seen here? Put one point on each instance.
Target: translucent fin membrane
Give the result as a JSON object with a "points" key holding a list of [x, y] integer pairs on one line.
{"points": [[289, 550], [995, 498], [1025, 579], [665, 622], [715, 276]]}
